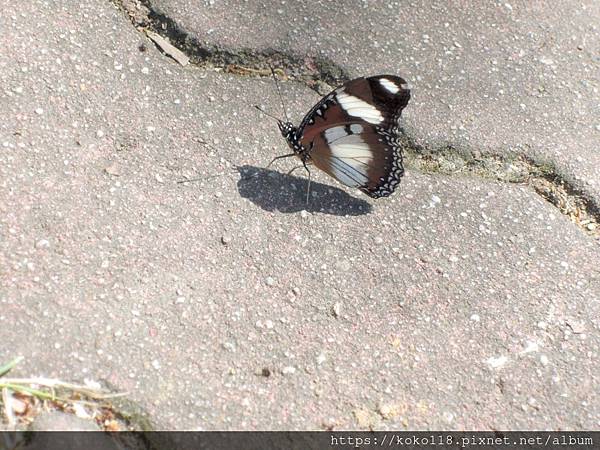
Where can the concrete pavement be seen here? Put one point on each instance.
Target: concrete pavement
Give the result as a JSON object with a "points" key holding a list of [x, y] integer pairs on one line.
{"points": [[462, 302]]}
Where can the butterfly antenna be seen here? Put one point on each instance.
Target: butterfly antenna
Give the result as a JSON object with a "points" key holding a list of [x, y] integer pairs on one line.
{"points": [[266, 113], [279, 92]]}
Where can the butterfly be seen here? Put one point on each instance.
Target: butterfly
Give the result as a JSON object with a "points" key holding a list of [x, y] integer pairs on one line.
{"points": [[352, 134]]}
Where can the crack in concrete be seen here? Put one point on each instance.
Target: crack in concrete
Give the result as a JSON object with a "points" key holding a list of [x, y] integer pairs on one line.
{"points": [[311, 70], [515, 168], [320, 73]]}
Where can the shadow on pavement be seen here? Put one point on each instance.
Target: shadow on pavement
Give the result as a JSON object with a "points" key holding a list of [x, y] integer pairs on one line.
{"points": [[274, 191]]}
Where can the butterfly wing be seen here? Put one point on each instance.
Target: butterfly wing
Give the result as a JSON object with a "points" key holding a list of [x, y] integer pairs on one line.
{"points": [[352, 133]]}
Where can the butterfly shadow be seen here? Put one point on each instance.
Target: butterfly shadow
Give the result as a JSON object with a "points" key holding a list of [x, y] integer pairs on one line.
{"points": [[275, 191]]}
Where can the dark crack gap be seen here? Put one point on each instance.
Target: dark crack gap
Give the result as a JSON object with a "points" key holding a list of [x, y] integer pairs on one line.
{"points": [[310, 70], [317, 73], [517, 168]]}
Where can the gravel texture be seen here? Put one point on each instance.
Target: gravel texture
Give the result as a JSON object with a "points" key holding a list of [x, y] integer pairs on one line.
{"points": [[229, 303]]}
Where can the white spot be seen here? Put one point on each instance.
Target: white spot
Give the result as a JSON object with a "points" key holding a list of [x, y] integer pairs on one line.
{"points": [[497, 362], [356, 128], [356, 107], [530, 346], [389, 85]]}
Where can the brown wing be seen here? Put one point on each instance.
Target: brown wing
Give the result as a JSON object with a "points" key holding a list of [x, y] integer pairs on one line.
{"points": [[352, 133]]}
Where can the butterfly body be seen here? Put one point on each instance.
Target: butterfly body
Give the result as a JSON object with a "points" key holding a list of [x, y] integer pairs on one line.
{"points": [[352, 134]]}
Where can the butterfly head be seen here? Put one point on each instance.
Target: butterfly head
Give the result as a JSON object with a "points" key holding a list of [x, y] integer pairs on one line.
{"points": [[288, 130]]}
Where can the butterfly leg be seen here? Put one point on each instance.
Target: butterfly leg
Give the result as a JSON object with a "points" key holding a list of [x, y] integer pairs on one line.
{"points": [[308, 185], [279, 157], [297, 167]]}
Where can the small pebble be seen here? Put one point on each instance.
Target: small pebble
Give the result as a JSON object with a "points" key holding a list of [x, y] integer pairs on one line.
{"points": [[389, 410], [337, 309], [39, 111], [475, 318], [329, 423], [226, 239], [288, 370], [304, 214], [265, 372], [544, 360], [497, 362], [296, 291], [379, 240], [531, 346], [18, 406], [577, 327], [42, 243], [448, 417], [270, 281], [113, 169]]}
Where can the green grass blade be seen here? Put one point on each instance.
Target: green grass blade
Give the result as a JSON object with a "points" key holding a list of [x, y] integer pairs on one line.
{"points": [[8, 367]]}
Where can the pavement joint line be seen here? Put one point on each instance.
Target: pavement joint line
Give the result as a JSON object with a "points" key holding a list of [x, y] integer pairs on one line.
{"points": [[312, 71], [514, 168], [542, 177]]}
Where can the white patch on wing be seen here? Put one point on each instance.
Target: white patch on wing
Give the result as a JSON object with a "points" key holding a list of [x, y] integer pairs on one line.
{"points": [[351, 146], [335, 133], [356, 107], [356, 128], [351, 156], [345, 177], [389, 85]]}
